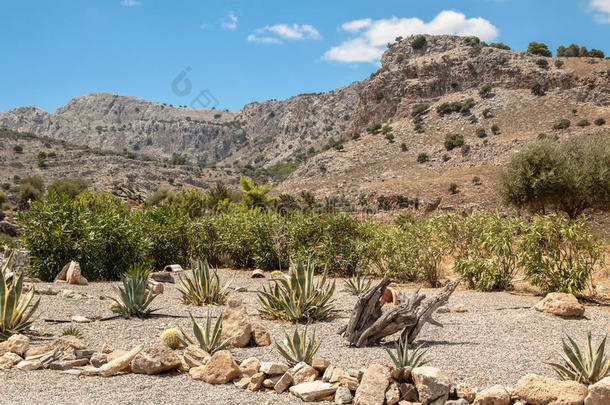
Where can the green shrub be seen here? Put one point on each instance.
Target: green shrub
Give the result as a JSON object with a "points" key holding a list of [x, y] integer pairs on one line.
{"points": [[541, 49], [165, 230], [334, 241], [29, 189], [422, 158], [558, 63], [570, 177], [18, 149], [586, 366], [419, 110], [453, 141], [559, 255], [562, 124], [481, 133], [298, 347], [542, 63], [600, 121], [462, 107], [500, 45], [403, 147], [203, 239], [485, 91], [583, 123], [453, 188], [483, 246], [209, 338], [374, 128], [537, 89], [70, 187], [418, 42], [407, 358], [495, 129]]}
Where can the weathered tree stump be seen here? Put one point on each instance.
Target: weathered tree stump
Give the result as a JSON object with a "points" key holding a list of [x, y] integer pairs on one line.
{"points": [[369, 324]]}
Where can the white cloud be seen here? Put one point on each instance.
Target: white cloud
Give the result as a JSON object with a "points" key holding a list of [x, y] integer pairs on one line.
{"points": [[274, 34], [356, 25], [231, 24], [375, 34], [264, 40], [602, 10], [130, 3]]}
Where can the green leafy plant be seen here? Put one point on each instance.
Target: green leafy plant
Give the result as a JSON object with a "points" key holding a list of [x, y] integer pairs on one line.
{"points": [[72, 331], [297, 297], [358, 284], [134, 298], [17, 314], [298, 347], [203, 287], [558, 254], [407, 358], [209, 338], [586, 368], [453, 141]]}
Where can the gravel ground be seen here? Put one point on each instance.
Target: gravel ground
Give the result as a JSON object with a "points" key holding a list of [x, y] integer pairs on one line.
{"points": [[497, 341]]}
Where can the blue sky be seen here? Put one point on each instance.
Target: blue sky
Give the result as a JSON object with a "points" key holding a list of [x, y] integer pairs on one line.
{"points": [[244, 51]]}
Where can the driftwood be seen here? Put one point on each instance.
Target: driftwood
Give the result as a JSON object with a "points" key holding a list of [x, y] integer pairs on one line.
{"points": [[369, 324]]}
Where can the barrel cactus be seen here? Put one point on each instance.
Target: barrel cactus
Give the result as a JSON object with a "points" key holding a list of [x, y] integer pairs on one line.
{"points": [[172, 337]]}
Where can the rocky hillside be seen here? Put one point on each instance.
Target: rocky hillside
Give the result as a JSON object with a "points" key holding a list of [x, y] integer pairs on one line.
{"points": [[378, 128]]}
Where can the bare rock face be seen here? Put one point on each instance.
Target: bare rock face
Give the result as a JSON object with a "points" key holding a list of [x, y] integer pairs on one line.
{"points": [[538, 390], [372, 388], [236, 323], [599, 393], [155, 359], [561, 304], [221, 369]]}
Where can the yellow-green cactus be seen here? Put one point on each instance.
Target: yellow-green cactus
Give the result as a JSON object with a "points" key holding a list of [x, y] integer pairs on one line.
{"points": [[172, 337]]}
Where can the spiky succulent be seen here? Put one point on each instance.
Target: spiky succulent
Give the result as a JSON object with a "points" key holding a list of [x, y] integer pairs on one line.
{"points": [[405, 357], [297, 297], [172, 337], [358, 284], [203, 287], [134, 298], [72, 331], [16, 313], [298, 348], [586, 368], [209, 338]]}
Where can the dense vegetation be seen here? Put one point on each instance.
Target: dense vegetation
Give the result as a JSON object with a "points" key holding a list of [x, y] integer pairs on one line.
{"points": [[570, 176]]}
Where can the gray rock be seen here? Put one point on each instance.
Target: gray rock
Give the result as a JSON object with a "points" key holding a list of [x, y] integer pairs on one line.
{"points": [[372, 388], [343, 395], [313, 390], [155, 359], [432, 384]]}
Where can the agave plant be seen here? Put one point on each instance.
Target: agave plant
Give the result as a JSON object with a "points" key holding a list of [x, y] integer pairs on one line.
{"points": [[297, 348], [297, 297], [72, 331], [405, 357], [134, 297], [586, 368], [15, 310], [203, 287], [209, 338], [358, 284]]}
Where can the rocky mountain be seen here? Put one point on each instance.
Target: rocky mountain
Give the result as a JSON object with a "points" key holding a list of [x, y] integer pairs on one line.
{"points": [[362, 141]]}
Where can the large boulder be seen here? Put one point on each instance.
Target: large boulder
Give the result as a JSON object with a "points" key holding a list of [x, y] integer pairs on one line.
{"points": [[236, 323], [155, 359], [561, 304], [220, 369], [538, 390], [371, 390], [432, 384], [599, 393]]}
